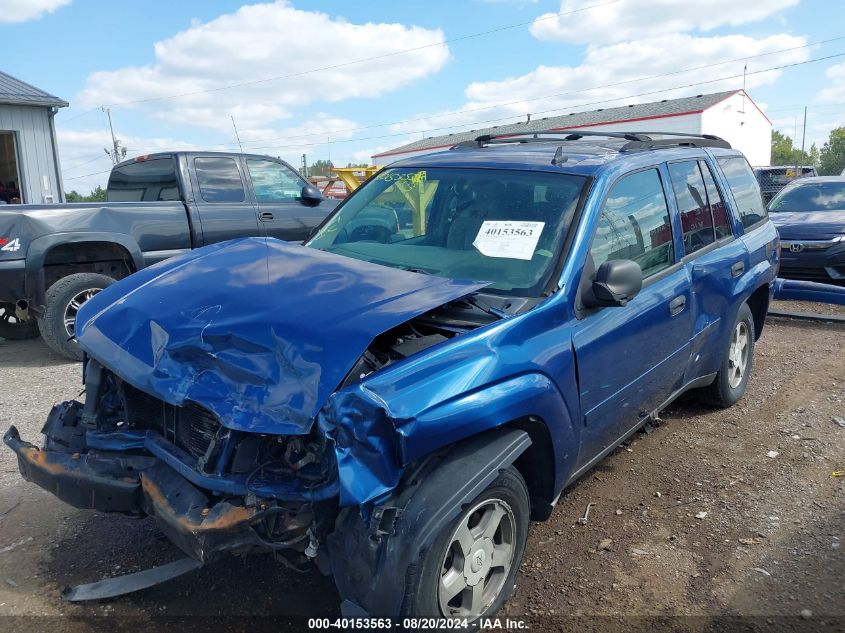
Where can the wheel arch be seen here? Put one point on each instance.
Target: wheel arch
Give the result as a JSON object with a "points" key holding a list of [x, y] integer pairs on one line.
{"points": [[758, 302], [78, 252]]}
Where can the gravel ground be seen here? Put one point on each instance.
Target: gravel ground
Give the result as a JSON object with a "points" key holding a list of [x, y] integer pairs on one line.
{"points": [[693, 521]]}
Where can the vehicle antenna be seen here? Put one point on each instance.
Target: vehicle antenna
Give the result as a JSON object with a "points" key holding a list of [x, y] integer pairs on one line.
{"points": [[237, 136]]}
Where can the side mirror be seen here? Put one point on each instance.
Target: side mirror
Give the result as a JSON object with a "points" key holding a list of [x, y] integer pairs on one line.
{"points": [[310, 196], [617, 282]]}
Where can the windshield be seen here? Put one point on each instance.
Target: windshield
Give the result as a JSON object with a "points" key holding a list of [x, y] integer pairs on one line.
{"points": [[817, 196], [504, 227]]}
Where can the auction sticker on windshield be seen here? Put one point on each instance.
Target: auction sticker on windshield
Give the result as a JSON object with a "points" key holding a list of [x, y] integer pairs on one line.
{"points": [[506, 238]]}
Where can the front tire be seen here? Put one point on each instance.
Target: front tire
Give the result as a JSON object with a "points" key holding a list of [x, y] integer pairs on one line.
{"points": [[64, 298], [470, 569], [732, 379]]}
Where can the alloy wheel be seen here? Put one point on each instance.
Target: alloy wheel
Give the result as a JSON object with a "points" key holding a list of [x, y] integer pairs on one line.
{"points": [[72, 309], [738, 354], [478, 560]]}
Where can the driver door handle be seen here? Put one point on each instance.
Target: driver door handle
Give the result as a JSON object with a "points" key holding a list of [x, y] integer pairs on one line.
{"points": [[677, 305], [737, 269], [266, 216]]}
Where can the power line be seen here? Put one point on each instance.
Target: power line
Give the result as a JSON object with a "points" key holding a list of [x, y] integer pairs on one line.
{"points": [[603, 101], [364, 59], [78, 165], [569, 107], [539, 98], [78, 116]]}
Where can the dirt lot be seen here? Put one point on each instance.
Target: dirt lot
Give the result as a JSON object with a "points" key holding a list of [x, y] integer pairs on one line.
{"points": [[692, 521]]}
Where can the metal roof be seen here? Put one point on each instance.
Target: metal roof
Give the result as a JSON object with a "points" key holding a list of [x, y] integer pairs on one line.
{"points": [[16, 92], [602, 116]]}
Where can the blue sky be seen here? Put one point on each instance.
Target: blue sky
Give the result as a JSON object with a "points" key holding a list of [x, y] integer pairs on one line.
{"points": [[545, 56]]}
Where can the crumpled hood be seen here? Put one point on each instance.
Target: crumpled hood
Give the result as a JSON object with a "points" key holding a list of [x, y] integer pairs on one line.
{"points": [[259, 331], [812, 225]]}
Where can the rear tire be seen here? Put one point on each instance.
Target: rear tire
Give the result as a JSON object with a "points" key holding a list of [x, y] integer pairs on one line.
{"points": [[735, 370], [14, 329], [64, 298], [470, 569]]}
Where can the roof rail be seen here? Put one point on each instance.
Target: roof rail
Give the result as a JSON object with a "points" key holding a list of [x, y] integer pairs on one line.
{"points": [[637, 141], [676, 139]]}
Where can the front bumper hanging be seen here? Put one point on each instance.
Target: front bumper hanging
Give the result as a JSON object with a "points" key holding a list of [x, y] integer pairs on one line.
{"points": [[133, 475]]}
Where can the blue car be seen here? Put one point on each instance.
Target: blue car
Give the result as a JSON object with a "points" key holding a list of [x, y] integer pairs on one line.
{"points": [[463, 338], [810, 217]]}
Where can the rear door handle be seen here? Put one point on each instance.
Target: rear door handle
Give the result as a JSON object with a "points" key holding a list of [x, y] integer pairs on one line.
{"points": [[737, 269], [266, 216], [677, 305]]}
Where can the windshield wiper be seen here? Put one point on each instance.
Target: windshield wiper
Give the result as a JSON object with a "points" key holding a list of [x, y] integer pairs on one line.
{"points": [[484, 306]]}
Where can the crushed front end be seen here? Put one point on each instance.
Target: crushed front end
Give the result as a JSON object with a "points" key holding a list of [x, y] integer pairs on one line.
{"points": [[210, 489]]}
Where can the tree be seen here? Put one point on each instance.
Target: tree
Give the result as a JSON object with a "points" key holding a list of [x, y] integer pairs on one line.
{"points": [[320, 168], [97, 195], [785, 153], [832, 154]]}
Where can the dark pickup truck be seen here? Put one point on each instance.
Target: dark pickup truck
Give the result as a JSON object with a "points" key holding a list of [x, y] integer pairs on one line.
{"points": [[53, 258]]}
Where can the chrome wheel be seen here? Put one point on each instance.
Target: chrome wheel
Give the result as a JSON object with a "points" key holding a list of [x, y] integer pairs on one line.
{"points": [[72, 309], [738, 354], [478, 559]]}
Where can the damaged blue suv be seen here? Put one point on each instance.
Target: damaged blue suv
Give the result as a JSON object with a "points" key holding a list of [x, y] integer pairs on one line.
{"points": [[464, 337]]}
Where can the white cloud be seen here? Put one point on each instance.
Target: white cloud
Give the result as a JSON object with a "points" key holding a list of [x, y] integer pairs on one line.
{"points": [[86, 165], [576, 87], [269, 40], [12, 11], [835, 92], [636, 19]]}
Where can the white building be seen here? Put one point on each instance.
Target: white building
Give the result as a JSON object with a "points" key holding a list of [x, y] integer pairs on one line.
{"points": [[732, 115]]}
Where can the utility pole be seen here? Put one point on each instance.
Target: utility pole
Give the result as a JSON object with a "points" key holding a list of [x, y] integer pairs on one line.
{"points": [[304, 167], [119, 152]]}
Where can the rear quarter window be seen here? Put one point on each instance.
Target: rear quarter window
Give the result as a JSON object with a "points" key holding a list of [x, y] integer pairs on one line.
{"points": [[147, 180], [745, 189]]}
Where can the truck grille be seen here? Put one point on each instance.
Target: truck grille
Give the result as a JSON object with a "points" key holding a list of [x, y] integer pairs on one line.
{"points": [[190, 427]]}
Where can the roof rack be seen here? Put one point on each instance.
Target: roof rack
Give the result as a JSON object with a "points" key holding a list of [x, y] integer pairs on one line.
{"points": [[637, 141], [676, 139]]}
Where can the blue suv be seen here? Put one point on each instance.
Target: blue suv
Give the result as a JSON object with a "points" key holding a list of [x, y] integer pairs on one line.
{"points": [[463, 338]]}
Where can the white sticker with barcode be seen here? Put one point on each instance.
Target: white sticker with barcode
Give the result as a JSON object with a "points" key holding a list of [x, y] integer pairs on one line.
{"points": [[506, 238]]}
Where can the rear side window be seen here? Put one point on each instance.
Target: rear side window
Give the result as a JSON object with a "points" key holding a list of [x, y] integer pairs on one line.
{"points": [[634, 224], [745, 190], [144, 180], [717, 205], [696, 220], [219, 179], [273, 182]]}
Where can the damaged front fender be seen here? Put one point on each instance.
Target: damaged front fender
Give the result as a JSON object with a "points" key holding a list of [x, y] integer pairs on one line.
{"points": [[364, 437]]}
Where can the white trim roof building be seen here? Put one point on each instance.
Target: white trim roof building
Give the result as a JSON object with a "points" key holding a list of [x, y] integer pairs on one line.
{"points": [[733, 115]]}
